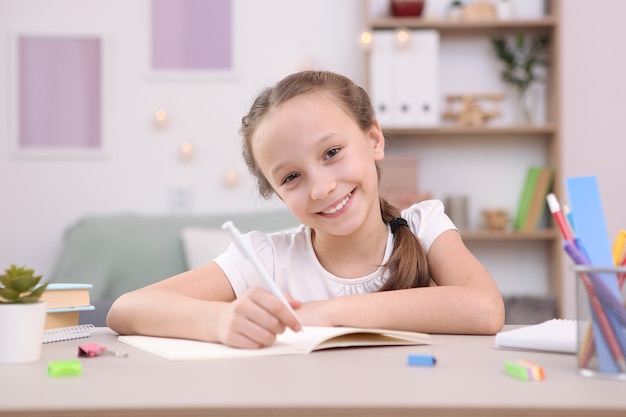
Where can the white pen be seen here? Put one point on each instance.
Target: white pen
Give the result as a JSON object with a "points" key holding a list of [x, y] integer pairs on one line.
{"points": [[252, 256]]}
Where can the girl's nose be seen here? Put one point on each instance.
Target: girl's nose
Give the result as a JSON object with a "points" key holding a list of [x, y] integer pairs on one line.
{"points": [[322, 185]]}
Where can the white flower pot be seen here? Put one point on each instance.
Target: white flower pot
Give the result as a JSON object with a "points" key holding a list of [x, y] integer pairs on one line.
{"points": [[21, 332]]}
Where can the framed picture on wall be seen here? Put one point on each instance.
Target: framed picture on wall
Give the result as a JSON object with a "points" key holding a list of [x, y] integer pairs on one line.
{"points": [[191, 39], [57, 95]]}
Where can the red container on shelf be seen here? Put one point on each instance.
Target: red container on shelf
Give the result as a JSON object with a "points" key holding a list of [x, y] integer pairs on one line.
{"points": [[406, 8]]}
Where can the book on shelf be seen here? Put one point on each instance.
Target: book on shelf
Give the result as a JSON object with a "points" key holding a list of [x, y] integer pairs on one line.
{"points": [[288, 343], [532, 202], [538, 203], [555, 335], [532, 176]]}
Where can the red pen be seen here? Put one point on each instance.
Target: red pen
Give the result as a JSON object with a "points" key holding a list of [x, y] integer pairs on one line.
{"points": [[621, 278], [555, 209]]}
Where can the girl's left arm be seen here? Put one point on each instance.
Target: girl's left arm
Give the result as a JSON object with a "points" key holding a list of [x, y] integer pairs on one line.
{"points": [[465, 300]]}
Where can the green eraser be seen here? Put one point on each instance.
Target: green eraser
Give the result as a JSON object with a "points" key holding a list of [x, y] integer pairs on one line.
{"points": [[64, 368]]}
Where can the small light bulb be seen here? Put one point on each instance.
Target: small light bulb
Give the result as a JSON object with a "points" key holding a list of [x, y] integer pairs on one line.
{"points": [[366, 38], [160, 118], [402, 36], [365, 41], [231, 178], [186, 151]]}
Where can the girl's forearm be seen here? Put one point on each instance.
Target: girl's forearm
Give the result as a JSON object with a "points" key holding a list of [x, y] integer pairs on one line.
{"points": [[157, 312], [444, 309]]}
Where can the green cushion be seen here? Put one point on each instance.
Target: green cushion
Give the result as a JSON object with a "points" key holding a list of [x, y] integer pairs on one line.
{"points": [[121, 253]]}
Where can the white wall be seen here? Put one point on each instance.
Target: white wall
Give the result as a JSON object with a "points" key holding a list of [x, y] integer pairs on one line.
{"points": [[39, 198]]}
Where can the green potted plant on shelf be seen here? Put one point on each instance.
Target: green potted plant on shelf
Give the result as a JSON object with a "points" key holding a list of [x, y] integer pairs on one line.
{"points": [[521, 56], [22, 315]]}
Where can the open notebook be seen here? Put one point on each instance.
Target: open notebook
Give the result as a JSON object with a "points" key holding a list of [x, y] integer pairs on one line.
{"points": [[288, 343], [556, 335]]}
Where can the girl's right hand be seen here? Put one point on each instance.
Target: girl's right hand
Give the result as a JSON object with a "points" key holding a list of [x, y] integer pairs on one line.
{"points": [[254, 320]]}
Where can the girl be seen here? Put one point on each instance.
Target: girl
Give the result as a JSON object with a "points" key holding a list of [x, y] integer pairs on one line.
{"points": [[356, 260]]}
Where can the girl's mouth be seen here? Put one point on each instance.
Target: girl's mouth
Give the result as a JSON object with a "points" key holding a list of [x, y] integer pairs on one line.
{"points": [[339, 206]]}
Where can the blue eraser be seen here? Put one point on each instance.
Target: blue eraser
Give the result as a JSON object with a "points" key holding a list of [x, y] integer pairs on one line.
{"points": [[422, 360]]}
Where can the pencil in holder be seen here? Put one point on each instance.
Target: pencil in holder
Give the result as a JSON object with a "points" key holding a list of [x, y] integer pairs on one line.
{"points": [[601, 321]]}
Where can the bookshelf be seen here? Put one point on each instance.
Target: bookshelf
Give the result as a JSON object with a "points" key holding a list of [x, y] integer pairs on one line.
{"points": [[508, 146]]}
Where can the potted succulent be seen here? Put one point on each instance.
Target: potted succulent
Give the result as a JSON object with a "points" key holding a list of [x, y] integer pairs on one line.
{"points": [[22, 315], [521, 55]]}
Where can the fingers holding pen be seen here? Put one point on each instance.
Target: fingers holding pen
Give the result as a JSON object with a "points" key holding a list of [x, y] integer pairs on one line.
{"points": [[277, 310], [254, 320], [295, 325]]}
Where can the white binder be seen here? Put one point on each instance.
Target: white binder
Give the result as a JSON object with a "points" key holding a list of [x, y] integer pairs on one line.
{"points": [[382, 84], [404, 79]]}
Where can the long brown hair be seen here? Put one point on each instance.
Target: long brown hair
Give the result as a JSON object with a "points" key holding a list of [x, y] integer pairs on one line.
{"points": [[407, 264]]}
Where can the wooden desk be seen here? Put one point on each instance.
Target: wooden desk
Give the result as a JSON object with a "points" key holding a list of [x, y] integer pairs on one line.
{"points": [[467, 380]]}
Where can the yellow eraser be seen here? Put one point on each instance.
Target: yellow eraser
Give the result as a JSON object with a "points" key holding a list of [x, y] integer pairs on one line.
{"points": [[70, 367]]}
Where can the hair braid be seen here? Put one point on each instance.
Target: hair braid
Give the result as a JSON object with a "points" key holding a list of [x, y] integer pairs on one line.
{"points": [[407, 264]]}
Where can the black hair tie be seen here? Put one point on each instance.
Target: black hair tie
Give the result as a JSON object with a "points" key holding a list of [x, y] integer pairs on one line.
{"points": [[397, 222]]}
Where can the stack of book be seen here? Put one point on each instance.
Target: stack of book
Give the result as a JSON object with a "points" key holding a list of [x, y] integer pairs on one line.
{"points": [[65, 302]]}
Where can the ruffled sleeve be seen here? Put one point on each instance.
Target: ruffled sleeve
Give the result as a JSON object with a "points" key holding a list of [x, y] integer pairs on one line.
{"points": [[428, 220]]}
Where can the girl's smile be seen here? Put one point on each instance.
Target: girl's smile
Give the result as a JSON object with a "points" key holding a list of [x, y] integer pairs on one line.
{"points": [[335, 210]]}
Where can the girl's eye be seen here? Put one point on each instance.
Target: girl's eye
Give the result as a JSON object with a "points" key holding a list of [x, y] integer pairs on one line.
{"points": [[331, 153], [290, 178]]}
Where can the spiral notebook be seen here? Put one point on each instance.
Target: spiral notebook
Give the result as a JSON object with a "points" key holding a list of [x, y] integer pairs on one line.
{"points": [[68, 333], [555, 335]]}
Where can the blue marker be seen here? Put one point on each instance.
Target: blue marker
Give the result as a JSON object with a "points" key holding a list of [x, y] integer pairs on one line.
{"points": [[422, 360]]}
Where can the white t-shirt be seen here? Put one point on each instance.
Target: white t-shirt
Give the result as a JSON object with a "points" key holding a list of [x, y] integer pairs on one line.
{"points": [[289, 258]]}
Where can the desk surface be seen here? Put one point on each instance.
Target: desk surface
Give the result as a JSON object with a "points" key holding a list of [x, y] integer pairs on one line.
{"points": [[468, 379]]}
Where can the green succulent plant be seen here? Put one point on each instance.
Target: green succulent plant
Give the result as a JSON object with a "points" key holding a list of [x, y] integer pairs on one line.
{"points": [[20, 285]]}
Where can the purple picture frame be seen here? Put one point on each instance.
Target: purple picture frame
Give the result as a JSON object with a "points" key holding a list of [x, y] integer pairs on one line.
{"points": [[192, 38], [57, 95]]}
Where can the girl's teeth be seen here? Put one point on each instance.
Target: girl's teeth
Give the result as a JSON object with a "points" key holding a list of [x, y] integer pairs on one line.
{"points": [[338, 206]]}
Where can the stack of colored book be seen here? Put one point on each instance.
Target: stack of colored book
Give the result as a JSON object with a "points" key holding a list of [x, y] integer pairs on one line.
{"points": [[64, 304]]}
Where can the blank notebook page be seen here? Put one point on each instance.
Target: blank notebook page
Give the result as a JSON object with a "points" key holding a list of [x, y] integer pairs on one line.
{"points": [[556, 335]]}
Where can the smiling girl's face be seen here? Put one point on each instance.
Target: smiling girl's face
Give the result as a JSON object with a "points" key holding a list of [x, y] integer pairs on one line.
{"points": [[320, 163]]}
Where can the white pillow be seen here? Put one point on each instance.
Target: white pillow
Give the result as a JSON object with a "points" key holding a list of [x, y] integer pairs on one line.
{"points": [[201, 245]]}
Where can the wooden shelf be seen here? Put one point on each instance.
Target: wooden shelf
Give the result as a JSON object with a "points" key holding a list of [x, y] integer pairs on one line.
{"points": [[450, 27], [475, 131], [537, 143], [497, 235]]}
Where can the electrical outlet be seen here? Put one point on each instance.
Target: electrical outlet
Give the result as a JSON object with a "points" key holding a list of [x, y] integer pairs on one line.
{"points": [[180, 199]]}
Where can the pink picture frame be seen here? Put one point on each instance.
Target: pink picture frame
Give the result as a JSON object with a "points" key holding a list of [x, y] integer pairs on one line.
{"points": [[190, 39], [57, 92]]}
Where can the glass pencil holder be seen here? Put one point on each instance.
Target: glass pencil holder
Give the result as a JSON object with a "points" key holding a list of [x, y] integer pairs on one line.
{"points": [[601, 321]]}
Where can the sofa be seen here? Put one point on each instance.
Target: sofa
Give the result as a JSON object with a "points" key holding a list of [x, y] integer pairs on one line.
{"points": [[123, 252]]}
